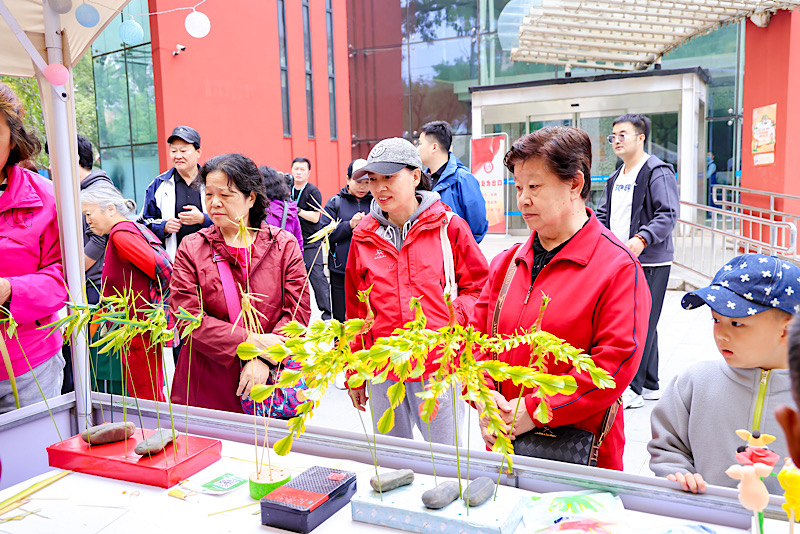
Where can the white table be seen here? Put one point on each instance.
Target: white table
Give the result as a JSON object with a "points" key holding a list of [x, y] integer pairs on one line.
{"points": [[80, 503]]}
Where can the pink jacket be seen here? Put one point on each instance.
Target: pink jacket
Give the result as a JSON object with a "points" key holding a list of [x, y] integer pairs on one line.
{"points": [[31, 261]]}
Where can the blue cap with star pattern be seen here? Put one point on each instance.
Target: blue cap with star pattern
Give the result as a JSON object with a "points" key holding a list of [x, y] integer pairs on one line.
{"points": [[750, 284]]}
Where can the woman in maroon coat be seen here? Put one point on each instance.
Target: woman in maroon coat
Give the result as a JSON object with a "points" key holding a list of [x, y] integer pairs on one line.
{"points": [[130, 265], [273, 267]]}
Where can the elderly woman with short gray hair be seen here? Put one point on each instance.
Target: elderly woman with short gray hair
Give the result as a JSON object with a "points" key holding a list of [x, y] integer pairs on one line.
{"points": [[131, 263]]}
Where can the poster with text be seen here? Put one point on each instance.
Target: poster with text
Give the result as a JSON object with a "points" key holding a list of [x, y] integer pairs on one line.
{"points": [[764, 123], [487, 166]]}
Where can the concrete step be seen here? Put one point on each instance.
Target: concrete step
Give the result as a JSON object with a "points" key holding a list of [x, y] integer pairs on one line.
{"points": [[683, 279]]}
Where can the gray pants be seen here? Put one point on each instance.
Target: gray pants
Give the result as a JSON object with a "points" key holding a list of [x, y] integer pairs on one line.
{"points": [[50, 375], [406, 415]]}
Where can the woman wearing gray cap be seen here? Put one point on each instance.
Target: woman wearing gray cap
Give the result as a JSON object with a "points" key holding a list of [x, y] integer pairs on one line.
{"points": [[400, 250]]}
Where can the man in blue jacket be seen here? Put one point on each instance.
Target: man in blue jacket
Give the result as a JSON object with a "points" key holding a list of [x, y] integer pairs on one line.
{"points": [[174, 209], [641, 208], [457, 187]]}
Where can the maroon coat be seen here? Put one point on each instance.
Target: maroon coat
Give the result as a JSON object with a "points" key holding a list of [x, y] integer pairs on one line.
{"points": [[277, 275]]}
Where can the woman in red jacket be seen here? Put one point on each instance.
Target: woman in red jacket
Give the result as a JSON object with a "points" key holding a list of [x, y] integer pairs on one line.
{"points": [[399, 250], [600, 300], [267, 262], [130, 265]]}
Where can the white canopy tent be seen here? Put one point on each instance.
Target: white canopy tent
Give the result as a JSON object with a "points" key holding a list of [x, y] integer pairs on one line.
{"points": [[626, 35], [32, 36]]}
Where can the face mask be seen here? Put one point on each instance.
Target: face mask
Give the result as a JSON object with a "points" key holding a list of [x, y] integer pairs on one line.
{"points": [[708, 159]]}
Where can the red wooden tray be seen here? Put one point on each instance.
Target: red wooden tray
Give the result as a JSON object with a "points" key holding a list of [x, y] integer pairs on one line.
{"points": [[117, 460]]}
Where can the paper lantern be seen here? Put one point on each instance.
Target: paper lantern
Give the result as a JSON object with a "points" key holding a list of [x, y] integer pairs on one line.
{"points": [[56, 74], [87, 16], [197, 24], [60, 6], [131, 32]]}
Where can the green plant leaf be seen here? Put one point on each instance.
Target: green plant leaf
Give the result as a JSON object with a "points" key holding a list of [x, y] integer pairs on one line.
{"points": [[260, 392], [247, 351], [543, 413], [396, 393], [386, 422], [283, 446], [429, 409]]}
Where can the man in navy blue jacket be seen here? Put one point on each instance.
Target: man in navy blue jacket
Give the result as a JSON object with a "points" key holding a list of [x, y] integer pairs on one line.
{"points": [[457, 187], [174, 209]]}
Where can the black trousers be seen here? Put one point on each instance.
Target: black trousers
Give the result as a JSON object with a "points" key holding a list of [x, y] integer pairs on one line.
{"points": [[337, 295], [647, 376], [312, 257]]}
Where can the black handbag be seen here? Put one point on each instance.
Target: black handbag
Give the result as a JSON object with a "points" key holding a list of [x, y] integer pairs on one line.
{"points": [[561, 443], [566, 443]]}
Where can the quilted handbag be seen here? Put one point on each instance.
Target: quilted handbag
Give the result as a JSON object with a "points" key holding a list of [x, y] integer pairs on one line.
{"points": [[560, 443]]}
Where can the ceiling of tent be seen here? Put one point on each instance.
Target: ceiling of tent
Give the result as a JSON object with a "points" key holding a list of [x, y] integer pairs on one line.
{"points": [[14, 60], [624, 35]]}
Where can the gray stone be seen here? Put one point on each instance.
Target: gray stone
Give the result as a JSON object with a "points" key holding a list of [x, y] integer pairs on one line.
{"points": [[479, 491], [392, 480], [108, 433], [155, 443], [441, 495]]}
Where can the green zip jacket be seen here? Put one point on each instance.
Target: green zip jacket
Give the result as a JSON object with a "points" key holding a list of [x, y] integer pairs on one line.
{"points": [[694, 424]]}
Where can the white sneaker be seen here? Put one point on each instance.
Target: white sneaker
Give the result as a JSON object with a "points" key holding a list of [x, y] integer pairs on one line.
{"points": [[651, 394], [631, 400]]}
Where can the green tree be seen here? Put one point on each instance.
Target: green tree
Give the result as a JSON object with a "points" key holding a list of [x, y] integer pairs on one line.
{"points": [[27, 89]]}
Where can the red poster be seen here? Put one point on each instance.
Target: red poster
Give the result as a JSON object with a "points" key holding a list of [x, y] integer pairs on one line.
{"points": [[487, 166]]}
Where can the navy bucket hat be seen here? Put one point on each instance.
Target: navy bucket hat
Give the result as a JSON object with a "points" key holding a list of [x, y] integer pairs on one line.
{"points": [[750, 284]]}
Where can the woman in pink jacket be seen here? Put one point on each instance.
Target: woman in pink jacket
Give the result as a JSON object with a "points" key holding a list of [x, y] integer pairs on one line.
{"points": [[32, 285]]}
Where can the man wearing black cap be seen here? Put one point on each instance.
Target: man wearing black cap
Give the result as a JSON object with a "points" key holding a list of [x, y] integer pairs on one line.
{"points": [[172, 208]]}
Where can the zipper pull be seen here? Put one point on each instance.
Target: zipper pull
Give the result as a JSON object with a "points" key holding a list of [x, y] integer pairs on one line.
{"points": [[764, 376], [530, 289]]}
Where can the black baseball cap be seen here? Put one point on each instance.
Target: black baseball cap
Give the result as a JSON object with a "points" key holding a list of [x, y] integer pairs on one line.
{"points": [[187, 133]]}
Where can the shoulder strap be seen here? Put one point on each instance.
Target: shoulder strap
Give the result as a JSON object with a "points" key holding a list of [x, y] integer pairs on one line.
{"points": [[512, 268], [608, 422], [450, 285], [229, 289], [285, 214]]}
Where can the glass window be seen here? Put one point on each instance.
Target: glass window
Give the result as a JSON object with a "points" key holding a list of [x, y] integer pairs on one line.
{"points": [[309, 79], [111, 96], [118, 165], [332, 106], [141, 94], [331, 71], [282, 31], [145, 168], [717, 52], [310, 105], [307, 35], [427, 20], [287, 121], [109, 41], [441, 74]]}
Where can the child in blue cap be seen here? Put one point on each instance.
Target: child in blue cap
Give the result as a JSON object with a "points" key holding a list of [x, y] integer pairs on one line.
{"points": [[752, 300]]}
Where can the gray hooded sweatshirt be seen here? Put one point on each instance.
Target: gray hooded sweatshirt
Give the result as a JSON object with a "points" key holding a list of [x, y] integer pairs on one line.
{"points": [[694, 424], [393, 233]]}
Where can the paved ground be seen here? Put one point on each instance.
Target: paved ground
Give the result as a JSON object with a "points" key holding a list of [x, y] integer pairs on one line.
{"points": [[684, 337]]}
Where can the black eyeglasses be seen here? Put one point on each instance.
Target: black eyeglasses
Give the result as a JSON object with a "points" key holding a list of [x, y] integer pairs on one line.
{"points": [[621, 136]]}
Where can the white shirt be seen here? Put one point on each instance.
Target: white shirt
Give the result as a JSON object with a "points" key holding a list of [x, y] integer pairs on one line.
{"points": [[621, 200]]}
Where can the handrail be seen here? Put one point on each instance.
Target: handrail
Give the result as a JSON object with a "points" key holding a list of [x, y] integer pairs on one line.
{"points": [[704, 249]]}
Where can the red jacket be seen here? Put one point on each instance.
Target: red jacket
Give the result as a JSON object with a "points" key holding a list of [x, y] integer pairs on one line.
{"points": [[600, 303], [414, 271], [277, 275]]}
